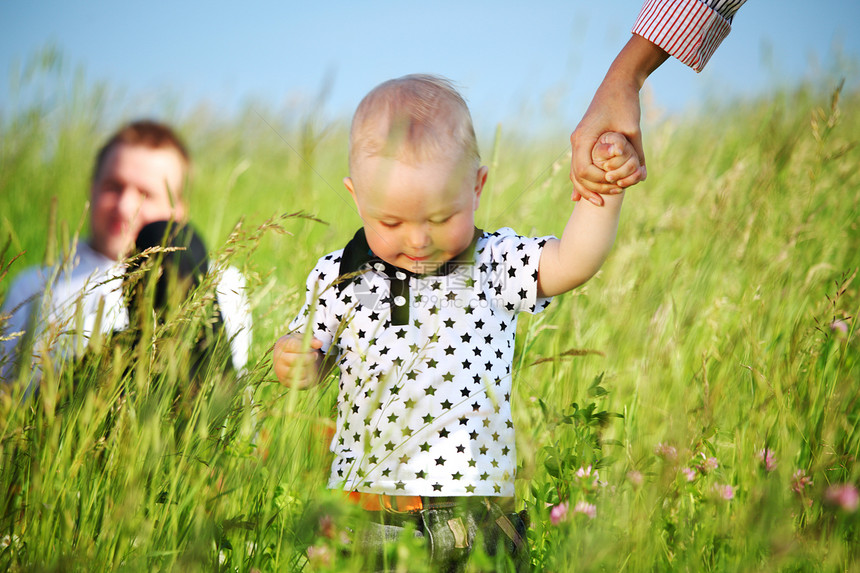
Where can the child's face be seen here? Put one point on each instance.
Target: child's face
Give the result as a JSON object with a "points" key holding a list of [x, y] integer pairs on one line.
{"points": [[417, 216]]}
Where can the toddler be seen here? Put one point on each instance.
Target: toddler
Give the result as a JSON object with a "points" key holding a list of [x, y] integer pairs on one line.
{"points": [[419, 312]]}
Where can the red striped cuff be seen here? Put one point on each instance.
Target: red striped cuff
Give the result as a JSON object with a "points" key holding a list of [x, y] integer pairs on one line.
{"points": [[688, 29]]}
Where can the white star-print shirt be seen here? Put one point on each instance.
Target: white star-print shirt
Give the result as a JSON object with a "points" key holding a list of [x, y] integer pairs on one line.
{"points": [[425, 365]]}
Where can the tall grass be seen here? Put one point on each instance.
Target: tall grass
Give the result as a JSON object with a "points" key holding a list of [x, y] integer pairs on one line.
{"points": [[713, 358]]}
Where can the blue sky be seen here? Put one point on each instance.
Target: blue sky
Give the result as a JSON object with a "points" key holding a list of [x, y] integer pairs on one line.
{"points": [[535, 63]]}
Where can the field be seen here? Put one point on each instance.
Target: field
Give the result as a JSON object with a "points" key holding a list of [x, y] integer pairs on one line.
{"points": [[694, 407]]}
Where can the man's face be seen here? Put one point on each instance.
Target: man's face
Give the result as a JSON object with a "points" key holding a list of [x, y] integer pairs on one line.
{"points": [[417, 216], [136, 185]]}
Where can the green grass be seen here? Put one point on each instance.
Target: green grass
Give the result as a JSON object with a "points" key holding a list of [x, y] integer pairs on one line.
{"points": [[711, 326]]}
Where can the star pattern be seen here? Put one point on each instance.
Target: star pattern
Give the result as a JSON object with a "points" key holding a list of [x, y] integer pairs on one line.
{"points": [[424, 400]]}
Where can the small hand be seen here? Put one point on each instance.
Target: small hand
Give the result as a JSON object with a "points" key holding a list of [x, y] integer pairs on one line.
{"points": [[294, 364], [616, 156]]}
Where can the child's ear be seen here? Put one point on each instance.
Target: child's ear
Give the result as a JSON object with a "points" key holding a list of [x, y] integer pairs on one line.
{"points": [[480, 181], [347, 182]]}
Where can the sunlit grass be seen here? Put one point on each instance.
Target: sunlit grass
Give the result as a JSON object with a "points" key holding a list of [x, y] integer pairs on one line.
{"points": [[724, 324]]}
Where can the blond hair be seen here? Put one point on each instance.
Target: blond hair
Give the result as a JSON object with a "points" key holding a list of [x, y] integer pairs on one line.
{"points": [[413, 118]]}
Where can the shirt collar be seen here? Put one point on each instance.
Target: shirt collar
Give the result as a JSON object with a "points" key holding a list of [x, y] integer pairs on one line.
{"points": [[357, 256]]}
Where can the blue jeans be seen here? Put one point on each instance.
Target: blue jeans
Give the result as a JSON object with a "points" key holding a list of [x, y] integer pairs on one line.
{"points": [[451, 531]]}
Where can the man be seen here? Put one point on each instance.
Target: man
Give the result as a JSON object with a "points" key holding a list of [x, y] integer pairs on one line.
{"points": [[138, 179]]}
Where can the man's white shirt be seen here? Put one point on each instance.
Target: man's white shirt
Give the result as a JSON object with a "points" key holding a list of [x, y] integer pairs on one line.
{"points": [[69, 313]]}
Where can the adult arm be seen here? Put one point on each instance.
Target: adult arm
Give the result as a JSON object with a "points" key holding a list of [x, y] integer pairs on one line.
{"points": [[689, 30]]}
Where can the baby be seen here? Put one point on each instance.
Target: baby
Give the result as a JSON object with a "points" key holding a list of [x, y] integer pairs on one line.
{"points": [[419, 312]]}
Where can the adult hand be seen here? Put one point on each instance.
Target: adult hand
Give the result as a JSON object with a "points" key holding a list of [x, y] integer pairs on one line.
{"points": [[615, 108]]}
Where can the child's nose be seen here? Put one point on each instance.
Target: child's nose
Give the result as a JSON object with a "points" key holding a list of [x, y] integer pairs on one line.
{"points": [[419, 237]]}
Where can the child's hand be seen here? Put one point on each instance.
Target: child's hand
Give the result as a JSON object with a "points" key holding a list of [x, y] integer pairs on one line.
{"points": [[291, 353], [617, 157]]}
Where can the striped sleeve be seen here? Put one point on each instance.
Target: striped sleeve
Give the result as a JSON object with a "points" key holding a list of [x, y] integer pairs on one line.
{"points": [[689, 30]]}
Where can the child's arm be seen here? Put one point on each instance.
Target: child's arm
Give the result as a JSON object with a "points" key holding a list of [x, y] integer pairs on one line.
{"points": [[295, 365], [588, 236]]}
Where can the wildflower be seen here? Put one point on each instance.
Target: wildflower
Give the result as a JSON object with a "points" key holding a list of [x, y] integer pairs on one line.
{"points": [[327, 526], [635, 477], [727, 492], [586, 474], [839, 326], [559, 513], [319, 556], [800, 481], [844, 496], [586, 508], [689, 473], [767, 459], [708, 465], [666, 451]]}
